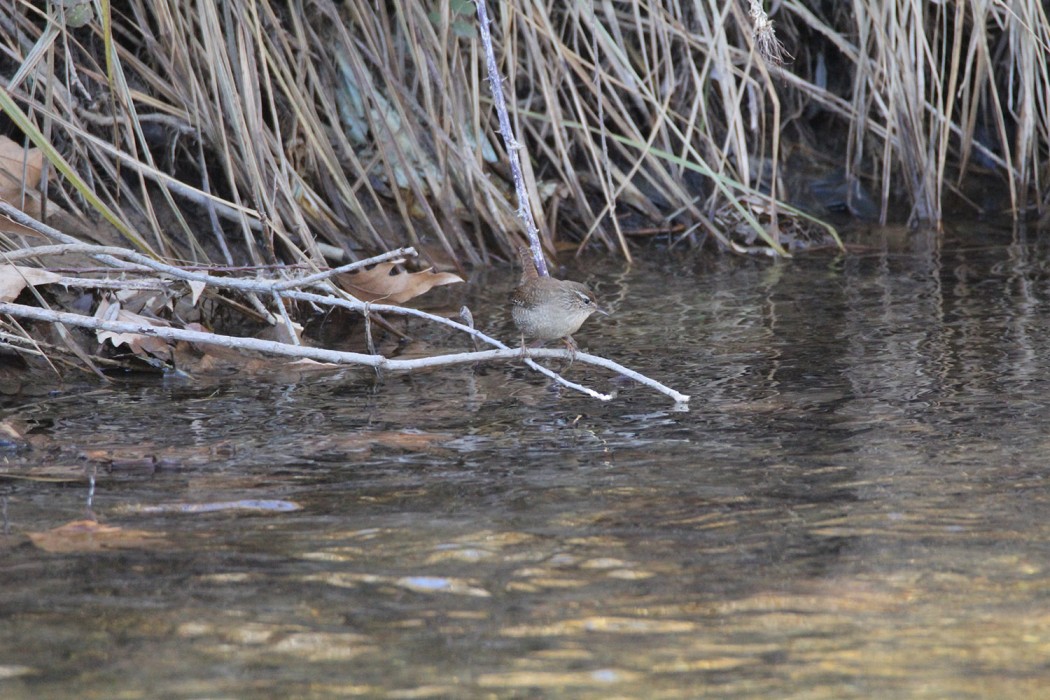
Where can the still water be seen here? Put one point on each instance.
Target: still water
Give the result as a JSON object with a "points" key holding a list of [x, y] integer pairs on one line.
{"points": [[854, 506]]}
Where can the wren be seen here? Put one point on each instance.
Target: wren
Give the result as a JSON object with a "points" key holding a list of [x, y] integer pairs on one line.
{"points": [[545, 308]]}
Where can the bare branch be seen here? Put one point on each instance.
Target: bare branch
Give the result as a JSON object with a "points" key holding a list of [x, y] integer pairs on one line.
{"points": [[130, 261], [513, 146], [335, 356]]}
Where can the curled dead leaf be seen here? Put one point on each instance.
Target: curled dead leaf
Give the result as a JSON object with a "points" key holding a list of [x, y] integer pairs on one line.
{"points": [[12, 436], [14, 278], [389, 284], [20, 169], [139, 343], [196, 289]]}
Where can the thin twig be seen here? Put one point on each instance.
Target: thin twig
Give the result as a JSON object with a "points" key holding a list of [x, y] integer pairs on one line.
{"points": [[325, 355], [253, 287], [111, 255], [512, 144], [289, 327], [395, 255], [129, 260], [475, 334]]}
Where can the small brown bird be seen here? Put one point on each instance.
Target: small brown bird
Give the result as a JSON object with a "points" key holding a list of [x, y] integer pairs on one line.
{"points": [[545, 308]]}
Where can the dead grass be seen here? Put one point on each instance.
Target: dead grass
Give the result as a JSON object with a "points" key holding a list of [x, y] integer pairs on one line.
{"points": [[261, 132]]}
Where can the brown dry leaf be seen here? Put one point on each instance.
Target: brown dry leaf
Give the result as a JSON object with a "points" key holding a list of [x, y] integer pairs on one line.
{"points": [[139, 343], [389, 284], [196, 289], [90, 536], [14, 278], [13, 158], [11, 228], [16, 163], [139, 302], [12, 436], [281, 334]]}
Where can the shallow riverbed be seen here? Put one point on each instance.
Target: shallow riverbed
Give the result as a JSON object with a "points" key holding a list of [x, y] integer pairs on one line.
{"points": [[854, 506]]}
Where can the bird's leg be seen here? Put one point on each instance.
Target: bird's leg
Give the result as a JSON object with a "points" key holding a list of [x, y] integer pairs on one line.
{"points": [[572, 347]]}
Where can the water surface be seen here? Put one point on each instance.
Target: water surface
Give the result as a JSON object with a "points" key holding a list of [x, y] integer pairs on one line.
{"points": [[854, 506]]}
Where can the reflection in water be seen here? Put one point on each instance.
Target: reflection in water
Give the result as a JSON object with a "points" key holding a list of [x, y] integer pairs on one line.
{"points": [[855, 506]]}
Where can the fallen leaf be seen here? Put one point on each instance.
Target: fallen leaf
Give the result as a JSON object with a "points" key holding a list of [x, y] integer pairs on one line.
{"points": [[388, 283], [196, 289], [11, 228], [12, 437], [16, 162], [90, 536], [14, 278], [150, 301], [20, 174], [281, 334], [141, 344]]}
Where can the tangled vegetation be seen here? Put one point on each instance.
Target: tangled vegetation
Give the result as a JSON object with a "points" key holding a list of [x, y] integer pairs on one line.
{"points": [[315, 132], [257, 131]]}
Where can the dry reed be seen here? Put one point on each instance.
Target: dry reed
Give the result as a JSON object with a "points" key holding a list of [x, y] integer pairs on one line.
{"points": [[261, 131]]}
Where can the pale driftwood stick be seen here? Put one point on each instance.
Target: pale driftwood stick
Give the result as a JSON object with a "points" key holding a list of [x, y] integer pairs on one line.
{"points": [[333, 356], [369, 307], [175, 334], [512, 144], [407, 252], [146, 285], [260, 308], [289, 327], [250, 287], [554, 376], [240, 284], [302, 352], [264, 286], [21, 217], [366, 308], [141, 262], [354, 305]]}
